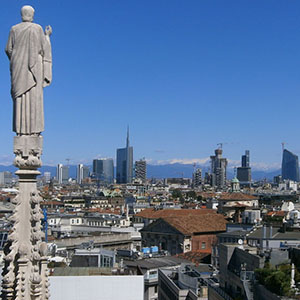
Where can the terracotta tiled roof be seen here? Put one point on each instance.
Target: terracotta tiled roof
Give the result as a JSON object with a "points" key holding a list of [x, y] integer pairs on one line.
{"points": [[237, 197], [191, 224], [207, 195], [195, 257], [151, 213], [276, 213]]}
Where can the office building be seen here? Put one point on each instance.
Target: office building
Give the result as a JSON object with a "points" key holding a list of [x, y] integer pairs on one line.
{"points": [[82, 173], [5, 178], [246, 159], [197, 178], [125, 163], [47, 177], [290, 166], [141, 170], [62, 174], [218, 169], [244, 172], [103, 170]]}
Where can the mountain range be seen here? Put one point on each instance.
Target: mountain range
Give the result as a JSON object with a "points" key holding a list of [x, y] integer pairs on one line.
{"points": [[162, 171]]}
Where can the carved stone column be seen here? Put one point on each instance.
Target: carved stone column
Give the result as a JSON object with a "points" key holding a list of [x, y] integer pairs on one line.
{"points": [[25, 269]]}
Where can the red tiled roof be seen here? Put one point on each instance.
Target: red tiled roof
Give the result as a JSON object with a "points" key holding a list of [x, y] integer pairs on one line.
{"points": [[279, 213], [191, 224], [151, 213], [237, 197], [207, 195]]}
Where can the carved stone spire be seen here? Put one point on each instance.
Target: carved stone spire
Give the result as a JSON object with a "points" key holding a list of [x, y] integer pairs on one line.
{"points": [[25, 261]]}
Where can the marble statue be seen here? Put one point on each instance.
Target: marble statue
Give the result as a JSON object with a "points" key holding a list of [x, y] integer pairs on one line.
{"points": [[29, 51], [25, 273]]}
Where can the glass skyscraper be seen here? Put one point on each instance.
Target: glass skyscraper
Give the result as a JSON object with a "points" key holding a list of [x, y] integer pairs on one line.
{"points": [[290, 166], [244, 172], [103, 170], [125, 163]]}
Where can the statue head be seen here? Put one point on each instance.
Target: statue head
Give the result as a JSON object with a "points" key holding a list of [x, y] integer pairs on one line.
{"points": [[27, 13]]}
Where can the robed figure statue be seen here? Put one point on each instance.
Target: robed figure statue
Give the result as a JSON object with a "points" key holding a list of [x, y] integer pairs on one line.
{"points": [[29, 51]]}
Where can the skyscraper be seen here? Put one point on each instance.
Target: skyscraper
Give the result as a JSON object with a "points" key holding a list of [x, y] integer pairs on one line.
{"points": [[246, 159], [47, 177], [125, 163], [218, 169], [82, 173], [103, 170], [141, 170], [62, 174], [290, 166], [197, 178], [5, 178], [244, 172]]}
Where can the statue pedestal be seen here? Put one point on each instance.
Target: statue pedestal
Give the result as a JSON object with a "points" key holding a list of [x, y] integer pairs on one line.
{"points": [[25, 273]]}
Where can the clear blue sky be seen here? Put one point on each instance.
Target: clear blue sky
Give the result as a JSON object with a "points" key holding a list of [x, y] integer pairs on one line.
{"points": [[185, 75]]}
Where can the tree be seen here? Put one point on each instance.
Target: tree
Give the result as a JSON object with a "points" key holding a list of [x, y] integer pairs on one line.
{"points": [[191, 194], [277, 280], [176, 193]]}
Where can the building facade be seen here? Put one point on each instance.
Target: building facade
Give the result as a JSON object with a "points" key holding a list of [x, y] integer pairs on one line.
{"points": [[125, 163], [290, 166], [218, 169], [5, 178], [82, 173], [140, 170], [103, 170], [62, 174], [197, 178], [244, 172]]}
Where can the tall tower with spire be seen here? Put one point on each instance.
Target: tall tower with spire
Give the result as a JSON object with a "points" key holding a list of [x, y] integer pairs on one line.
{"points": [[125, 162]]}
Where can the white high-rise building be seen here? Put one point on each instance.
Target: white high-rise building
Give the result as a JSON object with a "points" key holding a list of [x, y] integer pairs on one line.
{"points": [[47, 177], [62, 174], [82, 173], [5, 178]]}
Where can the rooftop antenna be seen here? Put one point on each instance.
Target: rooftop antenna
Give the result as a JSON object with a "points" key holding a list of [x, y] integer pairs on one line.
{"points": [[68, 161], [127, 139], [282, 145], [220, 145]]}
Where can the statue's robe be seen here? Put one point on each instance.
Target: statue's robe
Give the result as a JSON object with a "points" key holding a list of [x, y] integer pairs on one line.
{"points": [[29, 51]]}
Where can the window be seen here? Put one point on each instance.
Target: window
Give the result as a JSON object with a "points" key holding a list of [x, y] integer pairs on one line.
{"points": [[153, 274], [203, 246]]}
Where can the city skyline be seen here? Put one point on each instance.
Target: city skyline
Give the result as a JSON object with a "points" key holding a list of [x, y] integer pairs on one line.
{"points": [[178, 65]]}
